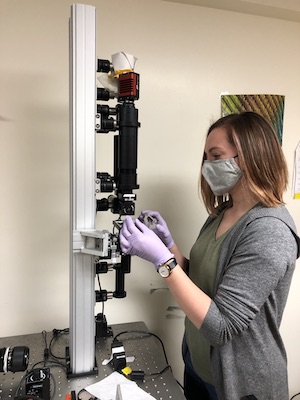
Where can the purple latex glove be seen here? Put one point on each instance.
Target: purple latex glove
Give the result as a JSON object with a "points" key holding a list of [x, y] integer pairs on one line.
{"points": [[160, 228], [137, 239]]}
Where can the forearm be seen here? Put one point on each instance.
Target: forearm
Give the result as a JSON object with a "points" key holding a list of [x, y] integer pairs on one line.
{"points": [[181, 260], [192, 300]]}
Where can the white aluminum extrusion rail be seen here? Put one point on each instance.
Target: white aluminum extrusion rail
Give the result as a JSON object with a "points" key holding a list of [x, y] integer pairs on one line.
{"points": [[83, 170]]}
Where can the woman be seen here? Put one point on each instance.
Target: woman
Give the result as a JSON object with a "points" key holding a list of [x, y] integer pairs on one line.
{"points": [[234, 287]]}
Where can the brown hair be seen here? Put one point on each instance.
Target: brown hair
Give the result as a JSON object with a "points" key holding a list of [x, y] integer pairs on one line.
{"points": [[260, 155]]}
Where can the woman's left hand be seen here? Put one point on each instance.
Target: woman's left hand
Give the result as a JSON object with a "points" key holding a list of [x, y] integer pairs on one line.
{"points": [[137, 239]]}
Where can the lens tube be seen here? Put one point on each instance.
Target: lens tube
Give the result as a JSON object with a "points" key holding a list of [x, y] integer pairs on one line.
{"points": [[14, 358]]}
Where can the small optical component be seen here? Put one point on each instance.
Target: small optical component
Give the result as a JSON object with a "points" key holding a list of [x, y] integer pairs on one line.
{"points": [[149, 221]]}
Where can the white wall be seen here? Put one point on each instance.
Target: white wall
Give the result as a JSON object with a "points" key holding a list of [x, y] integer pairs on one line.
{"points": [[187, 56]]}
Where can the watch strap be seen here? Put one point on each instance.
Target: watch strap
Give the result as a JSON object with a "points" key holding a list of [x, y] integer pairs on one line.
{"points": [[170, 263]]}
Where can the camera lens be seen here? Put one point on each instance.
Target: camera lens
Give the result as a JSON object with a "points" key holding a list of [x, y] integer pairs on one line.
{"points": [[14, 358]]}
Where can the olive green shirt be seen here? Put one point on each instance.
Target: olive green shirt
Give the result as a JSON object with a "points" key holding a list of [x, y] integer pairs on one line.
{"points": [[204, 258]]}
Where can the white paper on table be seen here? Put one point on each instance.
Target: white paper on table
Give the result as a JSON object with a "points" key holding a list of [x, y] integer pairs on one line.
{"points": [[106, 389], [296, 175]]}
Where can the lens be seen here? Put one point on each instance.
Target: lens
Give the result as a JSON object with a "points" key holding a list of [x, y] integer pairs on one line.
{"points": [[14, 358]]}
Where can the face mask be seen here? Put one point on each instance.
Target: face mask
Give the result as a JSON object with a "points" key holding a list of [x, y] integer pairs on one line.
{"points": [[221, 175]]}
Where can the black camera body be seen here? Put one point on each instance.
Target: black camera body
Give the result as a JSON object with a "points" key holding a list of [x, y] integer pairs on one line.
{"points": [[38, 383]]}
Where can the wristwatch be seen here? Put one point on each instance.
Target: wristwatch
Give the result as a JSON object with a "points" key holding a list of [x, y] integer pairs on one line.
{"points": [[165, 269]]}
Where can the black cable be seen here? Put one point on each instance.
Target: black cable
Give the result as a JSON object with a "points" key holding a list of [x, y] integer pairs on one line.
{"points": [[163, 348], [56, 334], [295, 395], [160, 372], [53, 364], [162, 345], [180, 384], [46, 349], [146, 333]]}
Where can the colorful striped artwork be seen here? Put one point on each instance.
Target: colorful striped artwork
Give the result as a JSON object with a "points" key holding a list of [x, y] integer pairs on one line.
{"points": [[269, 105]]}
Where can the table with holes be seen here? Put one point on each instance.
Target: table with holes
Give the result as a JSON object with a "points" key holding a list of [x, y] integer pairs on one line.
{"points": [[146, 349]]}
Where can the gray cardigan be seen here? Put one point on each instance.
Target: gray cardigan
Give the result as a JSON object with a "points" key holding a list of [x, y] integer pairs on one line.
{"points": [[255, 269]]}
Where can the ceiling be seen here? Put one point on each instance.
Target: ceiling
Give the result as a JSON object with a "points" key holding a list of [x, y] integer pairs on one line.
{"points": [[281, 9]]}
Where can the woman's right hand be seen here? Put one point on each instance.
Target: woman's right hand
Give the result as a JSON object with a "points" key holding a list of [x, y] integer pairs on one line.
{"points": [[158, 225]]}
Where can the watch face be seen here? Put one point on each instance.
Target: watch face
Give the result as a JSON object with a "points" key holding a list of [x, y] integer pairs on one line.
{"points": [[164, 271]]}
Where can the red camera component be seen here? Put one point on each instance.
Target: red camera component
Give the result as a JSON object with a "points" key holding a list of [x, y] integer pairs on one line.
{"points": [[129, 86]]}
